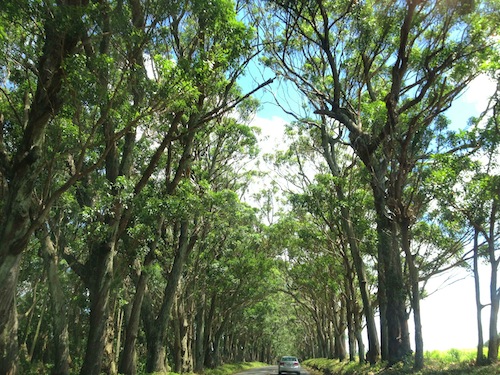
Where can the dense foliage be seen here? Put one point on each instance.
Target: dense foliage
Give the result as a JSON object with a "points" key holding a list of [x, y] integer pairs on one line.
{"points": [[132, 238]]}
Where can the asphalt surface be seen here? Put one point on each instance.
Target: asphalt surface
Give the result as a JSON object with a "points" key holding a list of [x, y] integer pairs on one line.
{"points": [[268, 370]]}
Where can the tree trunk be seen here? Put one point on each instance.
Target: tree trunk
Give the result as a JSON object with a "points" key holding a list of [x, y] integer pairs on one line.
{"points": [[216, 358], [415, 296], [176, 346], [185, 335], [209, 320], [109, 365], [156, 358], [393, 316], [128, 361], [199, 339], [495, 303], [359, 338], [339, 331], [351, 331], [101, 266], [9, 356], [62, 359], [34, 342], [480, 360], [346, 223]]}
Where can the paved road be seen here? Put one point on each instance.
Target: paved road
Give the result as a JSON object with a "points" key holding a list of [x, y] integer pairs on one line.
{"points": [[268, 370]]}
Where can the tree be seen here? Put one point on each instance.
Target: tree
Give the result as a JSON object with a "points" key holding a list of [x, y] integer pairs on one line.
{"points": [[474, 204], [385, 71], [23, 133], [105, 77]]}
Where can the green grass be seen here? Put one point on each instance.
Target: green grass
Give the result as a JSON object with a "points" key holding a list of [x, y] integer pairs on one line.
{"points": [[450, 362]]}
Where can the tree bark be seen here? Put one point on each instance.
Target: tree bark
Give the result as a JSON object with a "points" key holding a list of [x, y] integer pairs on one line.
{"points": [[209, 321], [393, 319], [128, 363], [494, 291], [62, 359], [101, 266], [9, 356], [346, 222], [199, 339], [480, 360], [415, 296], [156, 356]]}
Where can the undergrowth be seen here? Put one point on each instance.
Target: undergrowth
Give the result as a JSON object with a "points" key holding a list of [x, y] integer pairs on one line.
{"points": [[450, 362]]}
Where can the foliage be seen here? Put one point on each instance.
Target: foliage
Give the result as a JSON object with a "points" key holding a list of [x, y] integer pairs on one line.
{"points": [[127, 152], [452, 362]]}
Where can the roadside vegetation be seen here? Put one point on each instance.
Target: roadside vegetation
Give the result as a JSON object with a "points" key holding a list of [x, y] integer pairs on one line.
{"points": [[451, 362]]}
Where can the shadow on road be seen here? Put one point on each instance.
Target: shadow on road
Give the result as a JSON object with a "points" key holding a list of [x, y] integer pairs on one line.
{"points": [[268, 370]]}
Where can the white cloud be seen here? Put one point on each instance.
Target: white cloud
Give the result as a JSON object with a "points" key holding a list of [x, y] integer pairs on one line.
{"points": [[272, 133], [479, 92]]}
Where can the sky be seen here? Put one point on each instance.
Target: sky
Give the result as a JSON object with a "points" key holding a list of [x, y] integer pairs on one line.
{"points": [[448, 313]]}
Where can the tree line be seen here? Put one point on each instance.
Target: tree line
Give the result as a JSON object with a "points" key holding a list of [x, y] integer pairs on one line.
{"points": [[126, 158]]}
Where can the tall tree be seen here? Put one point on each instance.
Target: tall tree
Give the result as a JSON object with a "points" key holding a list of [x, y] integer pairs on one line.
{"points": [[24, 125], [385, 71]]}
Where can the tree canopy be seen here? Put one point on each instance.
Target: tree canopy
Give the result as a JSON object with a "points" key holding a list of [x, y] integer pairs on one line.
{"points": [[133, 238]]}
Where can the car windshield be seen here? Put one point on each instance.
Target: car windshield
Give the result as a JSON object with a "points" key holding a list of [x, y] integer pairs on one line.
{"points": [[289, 359]]}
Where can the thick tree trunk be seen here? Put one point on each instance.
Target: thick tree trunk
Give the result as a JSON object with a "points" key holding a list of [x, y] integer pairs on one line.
{"points": [[185, 335], [101, 266], [62, 359], [182, 356], [9, 356], [392, 297], [336, 324]]}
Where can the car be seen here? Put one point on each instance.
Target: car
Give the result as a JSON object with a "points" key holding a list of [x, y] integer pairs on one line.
{"points": [[289, 364]]}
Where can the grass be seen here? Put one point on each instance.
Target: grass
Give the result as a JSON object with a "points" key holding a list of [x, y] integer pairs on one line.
{"points": [[451, 362]]}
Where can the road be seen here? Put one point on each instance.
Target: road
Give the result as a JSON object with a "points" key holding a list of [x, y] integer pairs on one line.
{"points": [[268, 370]]}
